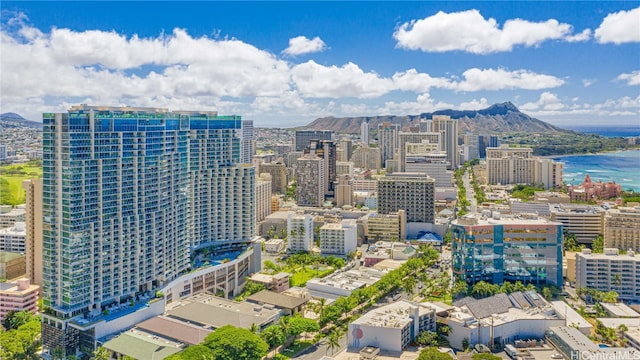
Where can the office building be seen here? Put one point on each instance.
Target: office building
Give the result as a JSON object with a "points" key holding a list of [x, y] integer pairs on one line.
{"points": [[346, 145], [12, 239], [128, 195], [33, 233], [365, 157], [500, 248], [387, 227], [310, 180], [304, 137], [391, 327], [281, 150], [278, 172], [429, 141], [263, 196], [18, 295], [622, 228], [411, 192], [364, 132], [494, 141], [299, 232], [433, 164], [586, 222], [609, 271], [483, 141], [387, 140], [471, 147], [338, 238], [448, 128]]}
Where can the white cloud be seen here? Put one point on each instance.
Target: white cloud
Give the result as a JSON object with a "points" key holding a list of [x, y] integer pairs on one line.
{"points": [[315, 80], [412, 80], [547, 101], [474, 104], [588, 82], [632, 78], [469, 31], [301, 45], [620, 27], [491, 79]]}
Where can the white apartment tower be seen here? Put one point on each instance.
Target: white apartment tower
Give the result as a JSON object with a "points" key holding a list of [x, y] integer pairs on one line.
{"points": [[609, 271], [263, 196], [299, 232], [338, 238]]}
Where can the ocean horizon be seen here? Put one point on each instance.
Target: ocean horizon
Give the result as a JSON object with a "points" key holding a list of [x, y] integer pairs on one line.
{"points": [[607, 131], [622, 167]]}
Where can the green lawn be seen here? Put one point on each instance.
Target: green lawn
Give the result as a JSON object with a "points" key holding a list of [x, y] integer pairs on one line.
{"points": [[302, 274], [11, 177]]}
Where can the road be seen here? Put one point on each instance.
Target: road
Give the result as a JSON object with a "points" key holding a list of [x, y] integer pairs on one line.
{"points": [[320, 349], [471, 195]]}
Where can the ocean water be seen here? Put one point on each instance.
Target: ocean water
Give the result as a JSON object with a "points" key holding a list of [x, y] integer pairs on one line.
{"points": [[623, 167], [608, 131]]}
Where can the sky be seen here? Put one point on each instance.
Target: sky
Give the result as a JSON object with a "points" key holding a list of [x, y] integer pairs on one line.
{"points": [[284, 64]]}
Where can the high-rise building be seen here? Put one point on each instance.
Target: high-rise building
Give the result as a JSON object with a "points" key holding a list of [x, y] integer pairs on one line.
{"points": [[433, 164], [247, 149], [347, 147], [622, 228], [338, 238], [366, 157], [609, 271], [411, 192], [494, 141], [278, 172], [388, 140], [471, 147], [364, 132], [263, 196], [510, 165], [344, 191], [449, 140], [299, 232], [310, 181], [33, 237], [128, 194], [507, 249], [344, 168], [326, 150], [406, 138], [482, 146], [304, 137], [586, 222]]}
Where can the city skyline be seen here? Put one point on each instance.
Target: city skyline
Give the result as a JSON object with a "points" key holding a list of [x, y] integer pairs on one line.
{"points": [[285, 64]]}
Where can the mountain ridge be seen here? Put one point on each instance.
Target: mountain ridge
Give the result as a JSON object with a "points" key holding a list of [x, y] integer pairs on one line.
{"points": [[497, 118], [10, 119]]}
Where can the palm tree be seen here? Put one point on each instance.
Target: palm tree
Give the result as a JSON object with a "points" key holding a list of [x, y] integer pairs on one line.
{"points": [[333, 341], [284, 324], [622, 328], [101, 353], [254, 328], [322, 305]]}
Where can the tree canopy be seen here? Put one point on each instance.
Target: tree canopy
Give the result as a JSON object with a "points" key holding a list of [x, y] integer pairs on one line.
{"points": [[232, 343], [432, 353]]}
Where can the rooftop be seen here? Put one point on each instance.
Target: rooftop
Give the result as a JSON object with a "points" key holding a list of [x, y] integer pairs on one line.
{"points": [[6, 256], [395, 315], [620, 310], [214, 312], [142, 346], [573, 338], [501, 219], [174, 329], [276, 299]]}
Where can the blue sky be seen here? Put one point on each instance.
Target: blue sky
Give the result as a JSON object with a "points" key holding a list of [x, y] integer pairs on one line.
{"points": [[286, 63]]}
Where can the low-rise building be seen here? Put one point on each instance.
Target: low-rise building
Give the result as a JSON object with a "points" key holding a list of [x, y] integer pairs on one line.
{"points": [[278, 282], [12, 239], [12, 265], [575, 345], [289, 305], [391, 327], [274, 246], [609, 271], [387, 227], [17, 296], [500, 319], [343, 283], [10, 215]]}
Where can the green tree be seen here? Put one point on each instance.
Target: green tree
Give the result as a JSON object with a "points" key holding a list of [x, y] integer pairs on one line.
{"points": [[101, 353], [232, 343], [23, 342], [432, 353], [427, 338], [274, 336], [546, 293], [409, 285], [194, 352], [597, 246], [460, 288], [333, 341], [485, 357], [14, 319], [299, 325]]}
